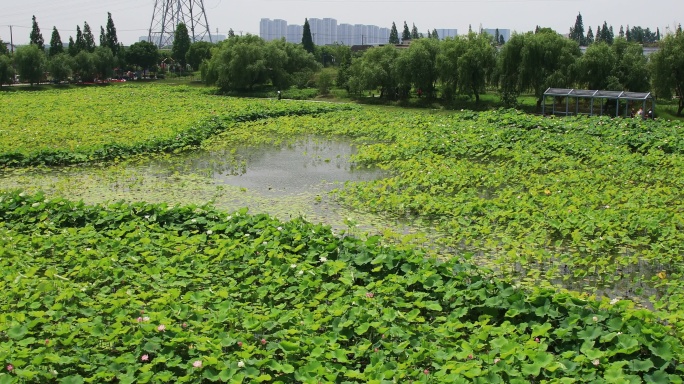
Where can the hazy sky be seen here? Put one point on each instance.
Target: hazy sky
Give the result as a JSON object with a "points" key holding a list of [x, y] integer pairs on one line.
{"points": [[132, 17]]}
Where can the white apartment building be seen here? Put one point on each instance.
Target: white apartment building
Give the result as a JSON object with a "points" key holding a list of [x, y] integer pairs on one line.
{"points": [[326, 31], [444, 33], [272, 29], [323, 31], [345, 34], [294, 33], [506, 33]]}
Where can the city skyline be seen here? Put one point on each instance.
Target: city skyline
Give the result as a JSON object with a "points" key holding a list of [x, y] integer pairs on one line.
{"points": [[132, 18], [328, 31]]}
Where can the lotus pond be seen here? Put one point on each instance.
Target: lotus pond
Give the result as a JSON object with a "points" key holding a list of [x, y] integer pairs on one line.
{"points": [[386, 289]]}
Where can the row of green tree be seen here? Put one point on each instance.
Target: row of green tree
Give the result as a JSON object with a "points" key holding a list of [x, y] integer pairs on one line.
{"points": [[527, 63], [83, 60], [606, 34]]}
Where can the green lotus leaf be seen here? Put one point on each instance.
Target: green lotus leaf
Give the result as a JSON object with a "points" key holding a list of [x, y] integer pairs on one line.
{"points": [[661, 349], [17, 332], [73, 379], [288, 346], [658, 377]]}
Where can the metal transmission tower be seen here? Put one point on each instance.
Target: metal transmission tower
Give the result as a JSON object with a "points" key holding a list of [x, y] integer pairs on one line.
{"points": [[169, 13]]}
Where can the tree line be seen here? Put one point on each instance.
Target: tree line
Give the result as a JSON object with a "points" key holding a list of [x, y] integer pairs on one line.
{"points": [[466, 65], [84, 60], [528, 63], [607, 35]]}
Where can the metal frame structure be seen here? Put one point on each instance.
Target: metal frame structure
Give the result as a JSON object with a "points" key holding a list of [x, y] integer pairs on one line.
{"points": [[594, 94], [169, 13]]}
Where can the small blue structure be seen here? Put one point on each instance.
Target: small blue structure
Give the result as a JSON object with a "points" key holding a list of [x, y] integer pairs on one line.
{"points": [[630, 99]]}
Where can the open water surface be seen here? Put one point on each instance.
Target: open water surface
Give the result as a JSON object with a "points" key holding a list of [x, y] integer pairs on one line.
{"points": [[286, 181], [288, 169]]}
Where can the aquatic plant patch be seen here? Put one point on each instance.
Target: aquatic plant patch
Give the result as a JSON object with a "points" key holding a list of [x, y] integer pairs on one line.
{"points": [[591, 202], [58, 127], [152, 293]]}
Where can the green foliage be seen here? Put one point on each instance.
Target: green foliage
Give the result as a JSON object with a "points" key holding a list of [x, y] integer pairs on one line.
{"points": [[3, 48], [80, 43], [30, 63], [239, 63], [666, 69], [71, 47], [36, 38], [394, 34], [324, 82], [577, 31], [243, 62], [307, 40], [143, 54], [111, 39], [88, 38], [476, 64], [139, 292], [596, 67], [377, 68], [117, 122], [85, 66], [103, 39], [61, 67], [198, 52], [6, 70], [56, 46], [405, 34], [104, 62], [547, 59], [418, 66], [631, 68], [181, 45], [414, 32], [588, 201], [450, 52]]}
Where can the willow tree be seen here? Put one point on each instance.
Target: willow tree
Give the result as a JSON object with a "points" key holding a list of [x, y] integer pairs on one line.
{"points": [[667, 69]]}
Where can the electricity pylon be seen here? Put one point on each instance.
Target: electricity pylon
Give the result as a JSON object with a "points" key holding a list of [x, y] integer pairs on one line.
{"points": [[169, 13]]}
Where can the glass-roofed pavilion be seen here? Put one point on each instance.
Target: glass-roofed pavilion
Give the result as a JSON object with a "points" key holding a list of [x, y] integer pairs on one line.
{"points": [[597, 102]]}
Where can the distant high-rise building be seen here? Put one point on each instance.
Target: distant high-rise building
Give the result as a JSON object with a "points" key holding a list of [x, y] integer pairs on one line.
{"points": [[384, 35], [506, 33], [326, 31], [345, 33], [294, 33], [444, 33], [214, 38], [329, 31], [323, 31], [272, 29]]}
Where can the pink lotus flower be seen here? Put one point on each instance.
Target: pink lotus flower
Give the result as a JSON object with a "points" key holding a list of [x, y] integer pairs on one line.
{"points": [[10, 367], [240, 344], [184, 325], [145, 357], [470, 357], [197, 364], [536, 339], [47, 341], [426, 371], [369, 295], [161, 328], [139, 319], [263, 341]]}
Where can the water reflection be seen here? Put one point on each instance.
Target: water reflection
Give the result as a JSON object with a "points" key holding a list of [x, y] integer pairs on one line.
{"points": [[321, 164]]}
